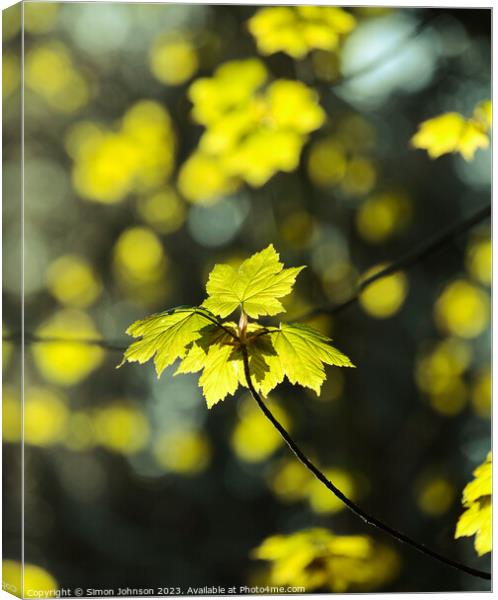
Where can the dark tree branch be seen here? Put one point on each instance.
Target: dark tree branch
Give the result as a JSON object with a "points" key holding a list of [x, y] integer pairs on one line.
{"points": [[367, 518], [33, 338], [426, 248]]}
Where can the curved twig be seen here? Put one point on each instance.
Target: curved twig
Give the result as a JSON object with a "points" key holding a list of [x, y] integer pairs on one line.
{"points": [[215, 320], [426, 248], [33, 338], [411, 258], [366, 517]]}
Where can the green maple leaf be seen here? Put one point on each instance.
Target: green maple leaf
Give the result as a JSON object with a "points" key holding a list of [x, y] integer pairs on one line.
{"points": [[255, 286], [220, 359], [203, 343], [300, 355], [216, 354], [166, 336], [221, 374]]}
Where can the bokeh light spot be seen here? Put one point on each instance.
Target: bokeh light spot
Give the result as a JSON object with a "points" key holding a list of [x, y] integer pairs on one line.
{"points": [[45, 417], [38, 583], [436, 369], [140, 265], [481, 393], [40, 17], [478, 260], [67, 362], [436, 496], [72, 281], [360, 176], [183, 452], [50, 72], [451, 400], [382, 216], [327, 162], [462, 309], [253, 438], [80, 432], [320, 498], [121, 428], [384, 298], [135, 156], [173, 59], [163, 211]]}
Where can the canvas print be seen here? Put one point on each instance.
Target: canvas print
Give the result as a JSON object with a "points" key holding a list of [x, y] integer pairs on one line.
{"points": [[246, 299]]}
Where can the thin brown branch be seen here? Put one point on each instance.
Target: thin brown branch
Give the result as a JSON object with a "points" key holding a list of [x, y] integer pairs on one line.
{"points": [[358, 511], [424, 249]]}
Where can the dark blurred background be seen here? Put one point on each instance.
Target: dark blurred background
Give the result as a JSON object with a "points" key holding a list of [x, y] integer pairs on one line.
{"points": [[132, 481]]}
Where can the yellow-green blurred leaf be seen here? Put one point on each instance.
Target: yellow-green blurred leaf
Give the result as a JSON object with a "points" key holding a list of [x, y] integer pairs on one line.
{"points": [[451, 132], [296, 30], [483, 113], [317, 558], [476, 520]]}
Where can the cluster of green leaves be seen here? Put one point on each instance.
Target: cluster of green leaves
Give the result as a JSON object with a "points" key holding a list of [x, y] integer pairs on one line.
{"points": [[476, 520], [201, 338]]}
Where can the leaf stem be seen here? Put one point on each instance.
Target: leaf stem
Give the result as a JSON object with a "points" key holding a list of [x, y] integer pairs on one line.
{"points": [[242, 325], [366, 517], [210, 317]]}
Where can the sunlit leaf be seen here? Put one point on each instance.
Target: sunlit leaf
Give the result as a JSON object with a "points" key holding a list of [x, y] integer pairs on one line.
{"points": [[296, 30], [439, 135], [218, 355], [255, 286], [165, 336], [476, 520], [193, 360], [481, 485], [228, 354], [471, 139], [451, 132], [301, 353], [264, 364], [221, 374], [483, 113]]}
